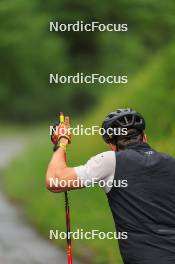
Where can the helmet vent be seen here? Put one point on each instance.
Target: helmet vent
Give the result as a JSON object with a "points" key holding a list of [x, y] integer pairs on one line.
{"points": [[126, 118]]}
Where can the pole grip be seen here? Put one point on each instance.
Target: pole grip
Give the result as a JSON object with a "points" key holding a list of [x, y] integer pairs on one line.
{"points": [[61, 117]]}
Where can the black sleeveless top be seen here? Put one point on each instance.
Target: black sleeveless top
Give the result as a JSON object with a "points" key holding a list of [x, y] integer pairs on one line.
{"points": [[146, 208]]}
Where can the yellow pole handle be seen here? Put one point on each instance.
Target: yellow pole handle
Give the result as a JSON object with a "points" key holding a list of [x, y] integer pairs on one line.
{"points": [[61, 116]]}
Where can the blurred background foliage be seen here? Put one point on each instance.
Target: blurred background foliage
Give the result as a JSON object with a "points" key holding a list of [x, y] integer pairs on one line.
{"points": [[29, 52]]}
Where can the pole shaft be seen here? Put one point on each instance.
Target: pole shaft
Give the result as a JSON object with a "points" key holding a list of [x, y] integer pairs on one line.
{"points": [[67, 209]]}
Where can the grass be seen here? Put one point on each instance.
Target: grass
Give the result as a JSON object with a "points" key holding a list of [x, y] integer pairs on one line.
{"points": [[89, 208], [152, 93]]}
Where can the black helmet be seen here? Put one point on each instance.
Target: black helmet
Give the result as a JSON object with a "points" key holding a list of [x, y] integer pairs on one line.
{"points": [[122, 118]]}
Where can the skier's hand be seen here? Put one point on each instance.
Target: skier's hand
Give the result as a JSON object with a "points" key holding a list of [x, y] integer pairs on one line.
{"points": [[62, 134]]}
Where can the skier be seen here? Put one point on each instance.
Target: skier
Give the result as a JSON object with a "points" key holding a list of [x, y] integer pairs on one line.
{"points": [[145, 209]]}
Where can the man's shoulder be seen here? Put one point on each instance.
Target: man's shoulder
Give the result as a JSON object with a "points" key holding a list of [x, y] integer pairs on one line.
{"points": [[108, 153], [106, 156], [167, 156]]}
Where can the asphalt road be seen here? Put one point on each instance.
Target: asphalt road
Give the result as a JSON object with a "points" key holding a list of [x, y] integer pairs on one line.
{"points": [[19, 243]]}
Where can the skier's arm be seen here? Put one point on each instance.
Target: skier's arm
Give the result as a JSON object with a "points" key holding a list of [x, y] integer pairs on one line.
{"points": [[60, 177]]}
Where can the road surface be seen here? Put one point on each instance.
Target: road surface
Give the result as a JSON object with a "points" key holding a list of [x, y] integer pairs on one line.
{"points": [[19, 243]]}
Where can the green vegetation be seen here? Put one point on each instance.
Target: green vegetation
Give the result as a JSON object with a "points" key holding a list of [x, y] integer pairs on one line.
{"points": [[151, 92], [29, 52]]}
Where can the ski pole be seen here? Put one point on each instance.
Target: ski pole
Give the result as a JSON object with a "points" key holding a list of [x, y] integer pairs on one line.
{"points": [[67, 209]]}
